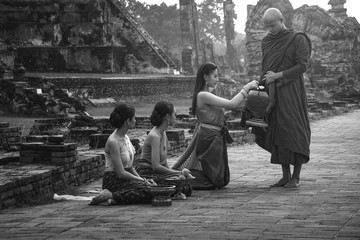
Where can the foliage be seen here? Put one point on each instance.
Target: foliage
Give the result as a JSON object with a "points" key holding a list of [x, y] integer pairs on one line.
{"points": [[211, 24], [162, 22], [240, 41]]}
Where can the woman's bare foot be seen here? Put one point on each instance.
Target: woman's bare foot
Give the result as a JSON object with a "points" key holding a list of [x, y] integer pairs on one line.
{"points": [[103, 196], [293, 183], [109, 202], [281, 183]]}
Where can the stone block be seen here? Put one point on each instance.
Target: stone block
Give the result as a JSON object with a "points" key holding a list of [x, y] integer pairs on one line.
{"points": [[63, 160], [98, 140], [26, 188], [62, 154], [35, 146], [36, 138], [7, 194], [175, 134], [26, 160], [31, 153], [60, 148], [9, 202], [4, 125]]}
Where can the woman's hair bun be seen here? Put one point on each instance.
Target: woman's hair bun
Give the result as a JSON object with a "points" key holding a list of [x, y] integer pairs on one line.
{"points": [[120, 114], [160, 111], [156, 118]]}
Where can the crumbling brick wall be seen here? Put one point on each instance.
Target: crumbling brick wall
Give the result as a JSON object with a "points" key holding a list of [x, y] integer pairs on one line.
{"points": [[70, 35]]}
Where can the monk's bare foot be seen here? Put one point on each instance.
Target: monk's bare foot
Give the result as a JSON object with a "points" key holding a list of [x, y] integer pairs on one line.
{"points": [[293, 183], [103, 196], [281, 183]]}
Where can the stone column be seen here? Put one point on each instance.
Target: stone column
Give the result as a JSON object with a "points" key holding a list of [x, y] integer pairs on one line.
{"points": [[209, 51], [231, 52], [189, 36], [206, 53]]}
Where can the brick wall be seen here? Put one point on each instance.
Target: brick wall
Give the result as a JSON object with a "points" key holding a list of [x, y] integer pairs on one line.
{"points": [[71, 35], [37, 182], [10, 136], [149, 88]]}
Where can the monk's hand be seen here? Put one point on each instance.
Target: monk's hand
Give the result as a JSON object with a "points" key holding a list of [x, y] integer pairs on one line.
{"points": [[271, 76]]}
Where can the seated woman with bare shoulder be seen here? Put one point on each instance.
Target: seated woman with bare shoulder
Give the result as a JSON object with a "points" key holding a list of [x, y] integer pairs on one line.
{"points": [[121, 183], [153, 162]]}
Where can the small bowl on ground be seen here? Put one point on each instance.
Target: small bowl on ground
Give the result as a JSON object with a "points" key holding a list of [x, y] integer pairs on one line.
{"points": [[162, 194]]}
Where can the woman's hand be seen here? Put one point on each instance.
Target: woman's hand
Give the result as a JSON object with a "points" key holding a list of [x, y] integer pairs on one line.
{"points": [[271, 76], [149, 182], [252, 85], [185, 172]]}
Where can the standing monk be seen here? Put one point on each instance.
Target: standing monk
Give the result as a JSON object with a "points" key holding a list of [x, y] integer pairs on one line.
{"points": [[285, 55]]}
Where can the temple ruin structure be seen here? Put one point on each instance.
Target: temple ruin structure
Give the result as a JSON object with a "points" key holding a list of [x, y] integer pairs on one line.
{"points": [[76, 36], [189, 36]]}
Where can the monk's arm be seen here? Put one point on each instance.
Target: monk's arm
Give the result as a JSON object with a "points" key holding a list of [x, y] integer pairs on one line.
{"points": [[301, 58]]}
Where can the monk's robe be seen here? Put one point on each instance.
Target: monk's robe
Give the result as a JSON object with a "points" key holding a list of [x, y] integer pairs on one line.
{"points": [[288, 136]]}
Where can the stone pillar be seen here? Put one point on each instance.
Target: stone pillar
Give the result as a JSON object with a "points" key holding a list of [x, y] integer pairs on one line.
{"points": [[337, 8], [189, 36], [209, 50], [206, 51], [231, 52]]}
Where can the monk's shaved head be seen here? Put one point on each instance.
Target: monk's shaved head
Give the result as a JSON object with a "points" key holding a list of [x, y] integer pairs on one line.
{"points": [[272, 15], [273, 20]]}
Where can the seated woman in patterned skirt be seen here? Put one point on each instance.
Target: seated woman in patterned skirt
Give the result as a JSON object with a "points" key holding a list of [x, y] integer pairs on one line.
{"points": [[153, 162], [121, 183]]}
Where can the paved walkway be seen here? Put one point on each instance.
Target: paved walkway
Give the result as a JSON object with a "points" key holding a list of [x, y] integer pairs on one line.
{"points": [[325, 206]]}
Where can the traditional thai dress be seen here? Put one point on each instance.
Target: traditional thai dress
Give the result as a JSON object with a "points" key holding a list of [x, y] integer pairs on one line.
{"points": [[288, 136], [144, 166], [125, 191], [206, 156]]}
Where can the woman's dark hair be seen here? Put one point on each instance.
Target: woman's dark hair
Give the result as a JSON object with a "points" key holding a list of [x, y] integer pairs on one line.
{"points": [[204, 69], [121, 113], [160, 111]]}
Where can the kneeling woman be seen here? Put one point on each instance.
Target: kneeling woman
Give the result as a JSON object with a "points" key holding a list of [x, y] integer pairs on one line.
{"points": [[121, 183], [206, 156], [153, 162]]}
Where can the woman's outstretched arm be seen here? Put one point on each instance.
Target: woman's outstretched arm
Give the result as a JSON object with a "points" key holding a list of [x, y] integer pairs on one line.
{"points": [[204, 97]]}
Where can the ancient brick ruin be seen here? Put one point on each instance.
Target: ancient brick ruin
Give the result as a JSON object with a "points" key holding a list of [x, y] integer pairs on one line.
{"points": [[189, 35], [335, 39], [78, 36]]}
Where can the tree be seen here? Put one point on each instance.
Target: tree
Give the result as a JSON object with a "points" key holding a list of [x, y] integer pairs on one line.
{"points": [[211, 25]]}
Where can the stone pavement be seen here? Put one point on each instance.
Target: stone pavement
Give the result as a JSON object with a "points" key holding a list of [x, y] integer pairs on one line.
{"points": [[325, 206]]}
